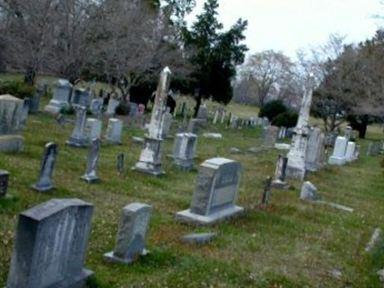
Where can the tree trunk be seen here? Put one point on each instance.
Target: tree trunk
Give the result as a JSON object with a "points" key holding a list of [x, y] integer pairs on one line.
{"points": [[30, 76], [363, 127], [198, 103]]}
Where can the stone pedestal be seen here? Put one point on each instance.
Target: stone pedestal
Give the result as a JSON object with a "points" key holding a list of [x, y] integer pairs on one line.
{"points": [[338, 156], [150, 157], [215, 193], [114, 131], [184, 150], [61, 97]]}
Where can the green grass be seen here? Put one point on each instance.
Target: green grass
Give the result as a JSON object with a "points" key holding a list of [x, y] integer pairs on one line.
{"points": [[290, 244]]}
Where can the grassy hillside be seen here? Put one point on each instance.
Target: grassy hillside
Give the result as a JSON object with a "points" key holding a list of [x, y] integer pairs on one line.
{"points": [[290, 244]]}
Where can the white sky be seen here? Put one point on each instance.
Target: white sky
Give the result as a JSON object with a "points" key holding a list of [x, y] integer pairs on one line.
{"points": [[287, 25]]}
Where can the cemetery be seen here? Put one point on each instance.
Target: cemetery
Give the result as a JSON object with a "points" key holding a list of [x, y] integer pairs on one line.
{"points": [[155, 177]]}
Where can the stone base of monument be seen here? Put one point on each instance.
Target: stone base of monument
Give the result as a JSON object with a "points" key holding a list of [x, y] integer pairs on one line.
{"points": [[42, 188], [189, 217], [295, 173], [11, 143], [183, 164], [110, 257], [90, 178], [75, 282], [78, 143], [277, 184], [336, 160], [149, 168], [54, 106]]}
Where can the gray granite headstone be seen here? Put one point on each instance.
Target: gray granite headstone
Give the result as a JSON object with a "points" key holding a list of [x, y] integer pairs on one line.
{"points": [[25, 111], [202, 114], [114, 131], [338, 156], [215, 193], [50, 245], [90, 175], [309, 192], [4, 177], [79, 136], [96, 107], [270, 134], [45, 182], [315, 154], [130, 243], [61, 97], [184, 150], [81, 97], [266, 196], [279, 179]]}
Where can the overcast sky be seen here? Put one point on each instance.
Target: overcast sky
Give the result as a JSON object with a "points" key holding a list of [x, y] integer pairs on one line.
{"points": [[287, 25]]}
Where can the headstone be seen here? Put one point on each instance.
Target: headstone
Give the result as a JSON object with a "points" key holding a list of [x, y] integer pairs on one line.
{"points": [[270, 135], [35, 100], [356, 154], [25, 111], [50, 245], [222, 119], [93, 128], [81, 97], [96, 107], [150, 157], [348, 133], [61, 97], [315, 155], [79, 137], [111, 108], [114, 131], [350, 151], [374, 148], [167, 122], [11, 113], [90, 175], [215, 117], [338, 156], [133, 110], [309, 192], [279, 179], [297, 154], [184, 150], [120, 163], [215, 193], [202, 114], [45, 182], [266, 196], [193, 126], [130, 243], [4, 178]]}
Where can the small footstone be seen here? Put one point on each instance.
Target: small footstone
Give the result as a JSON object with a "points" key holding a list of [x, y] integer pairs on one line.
{"points": [[309, 192], [199, 238], [213, 135], [234, 150]]}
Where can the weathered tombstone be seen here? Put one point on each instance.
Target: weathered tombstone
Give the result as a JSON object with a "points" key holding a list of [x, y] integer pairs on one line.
{"points": [[25, 111], [114, 131], [266, 196], [296, 156], [222, 119], [184, 150], [374, 148], [150, 157], [79, 137], [350, 151], [93, 128], [356, 153], [133, 110], [234, 122], [309, 192], [45, 182], [81, 97], [4, 178], [315, 155], [270, 135], [338, 156], [35, 100], [215, 117], [96, 107], [215, 193], [50, 245], [130, 243], [348, 133], [120, 163], [167, 122], [279, 179], [61, 97], [193, 126], [11, 110], [111, 108], [202, 114], [90, 175]]}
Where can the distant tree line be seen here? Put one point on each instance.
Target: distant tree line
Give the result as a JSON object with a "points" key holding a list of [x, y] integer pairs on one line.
{"points": [[122, 42]]}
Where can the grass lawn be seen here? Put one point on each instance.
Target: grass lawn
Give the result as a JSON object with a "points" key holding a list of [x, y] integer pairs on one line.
{"points": [[290, 244]]}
